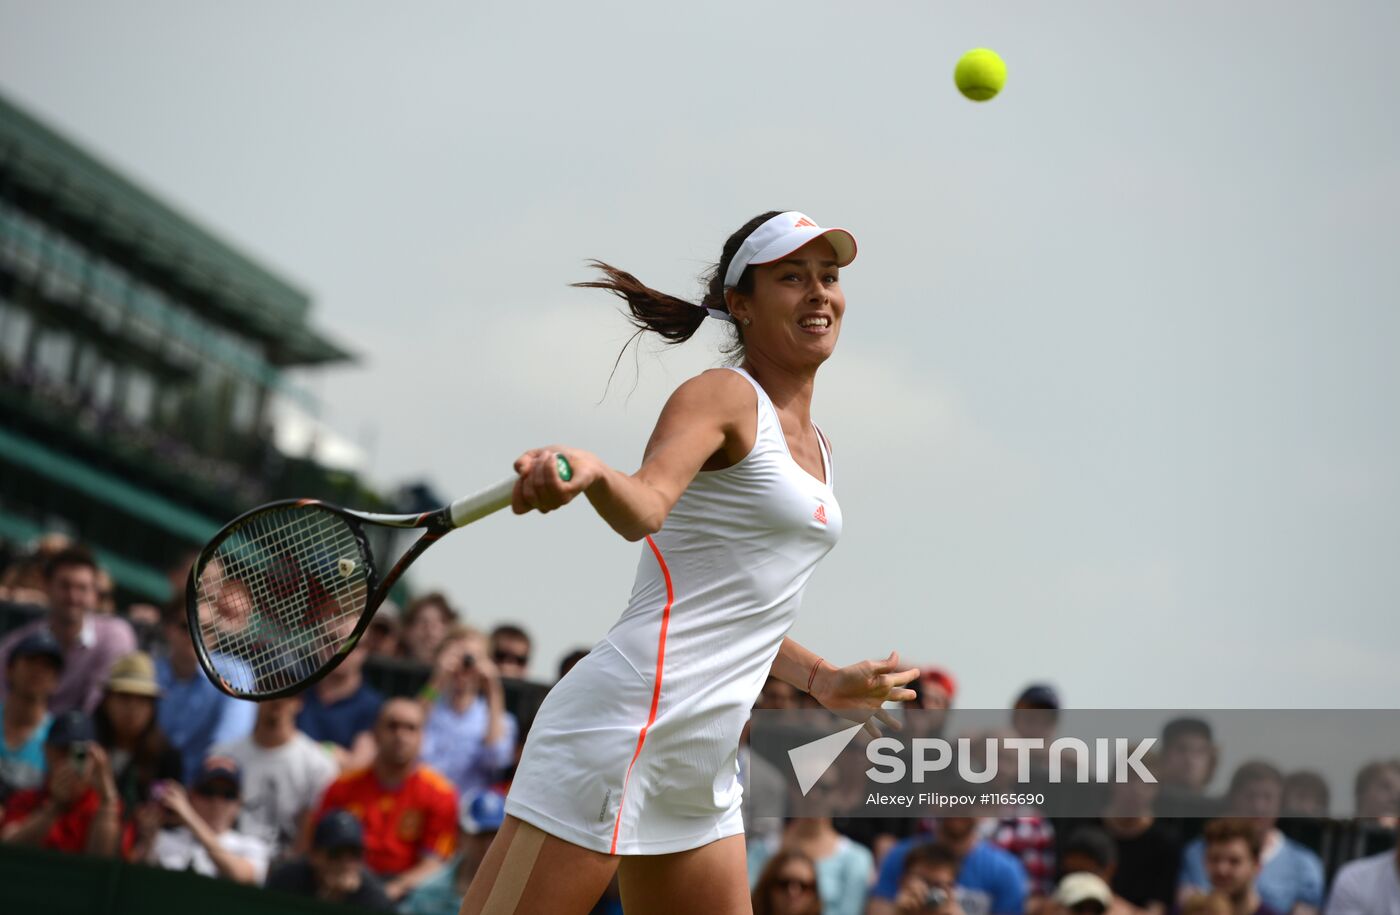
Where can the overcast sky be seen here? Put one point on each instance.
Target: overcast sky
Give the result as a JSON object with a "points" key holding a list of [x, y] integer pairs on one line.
{"points": [[1114, 404]]}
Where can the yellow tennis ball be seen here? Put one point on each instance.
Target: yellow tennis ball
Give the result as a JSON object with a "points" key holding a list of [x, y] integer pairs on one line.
{"points": [[980, 74]]}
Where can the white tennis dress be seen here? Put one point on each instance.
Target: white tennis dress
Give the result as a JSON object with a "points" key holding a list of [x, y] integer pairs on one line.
{"points": [[635, 751]]}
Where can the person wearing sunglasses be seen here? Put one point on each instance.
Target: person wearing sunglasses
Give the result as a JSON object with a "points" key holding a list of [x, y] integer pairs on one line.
{"points": [[787, 886], [205, 840]]}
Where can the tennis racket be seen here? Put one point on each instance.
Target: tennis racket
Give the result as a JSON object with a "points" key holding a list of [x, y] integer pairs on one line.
{"points": [[283, 593]]}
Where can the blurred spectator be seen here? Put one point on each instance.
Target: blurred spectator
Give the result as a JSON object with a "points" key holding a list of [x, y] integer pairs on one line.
{"points": [[845, 869], [778, 695], [441, 894], [1035, 714], [381, 637], [340, 710], [510, 650], [90, 643], [1031, 840], [1084, 893], [787, 886], [567, 662], [1212, 904], [31, 673], [205, 841], [1305, 794], [929, 885], [23, 581], [284, 773], [1291, 876], [1188, 759], [1233, 862], [1370, 886], [76, 809], [937, 688], [425, 623], [759, 778], [407, 810], [333, 870], [992, 879], [1089, 852], [106, 594], [194, 714], [469, 736], [126, 727], [1149, 851], [1378, 792]]}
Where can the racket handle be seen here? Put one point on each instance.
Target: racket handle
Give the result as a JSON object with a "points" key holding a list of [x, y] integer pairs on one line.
{"points": [[494, 498]]}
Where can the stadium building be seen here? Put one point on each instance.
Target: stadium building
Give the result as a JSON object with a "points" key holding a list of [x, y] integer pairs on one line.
{"points": [[145, 395]]}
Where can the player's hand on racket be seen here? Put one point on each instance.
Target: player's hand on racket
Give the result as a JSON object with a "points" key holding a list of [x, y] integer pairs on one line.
{"points": [[551, 477], [858, 692]]}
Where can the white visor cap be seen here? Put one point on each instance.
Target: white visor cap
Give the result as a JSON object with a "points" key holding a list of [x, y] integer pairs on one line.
{"points": [[782, 235]]}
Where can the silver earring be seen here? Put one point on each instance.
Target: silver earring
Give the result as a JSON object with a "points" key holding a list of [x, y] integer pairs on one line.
{"points": [[748, 321]]}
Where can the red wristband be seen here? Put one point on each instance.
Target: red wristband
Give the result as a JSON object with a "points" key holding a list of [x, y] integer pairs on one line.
{"points": [[813, 675]]}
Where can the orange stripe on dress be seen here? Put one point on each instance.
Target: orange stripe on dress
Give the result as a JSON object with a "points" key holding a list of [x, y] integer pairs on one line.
{"points": [[655, 690]]}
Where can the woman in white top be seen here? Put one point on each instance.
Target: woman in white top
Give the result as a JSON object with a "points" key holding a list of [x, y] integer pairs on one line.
{"points": [[630, 766]]}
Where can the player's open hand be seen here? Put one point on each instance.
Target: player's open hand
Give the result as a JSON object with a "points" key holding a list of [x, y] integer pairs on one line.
{"points": [[859, 691], [541, 488]]}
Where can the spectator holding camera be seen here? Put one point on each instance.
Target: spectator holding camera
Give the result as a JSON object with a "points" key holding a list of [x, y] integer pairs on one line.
{"points": [[31, 674], [334, 869], [126, 727], [90, 642], [992, 880], [206, 841], [76, 809], [469, 736], [928, 885]]}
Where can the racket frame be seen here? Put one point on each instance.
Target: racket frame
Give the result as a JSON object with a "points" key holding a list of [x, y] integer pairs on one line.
{"points": [[435, 524]]}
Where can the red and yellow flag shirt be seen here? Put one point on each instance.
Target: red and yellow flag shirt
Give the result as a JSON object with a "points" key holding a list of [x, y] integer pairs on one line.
{"points": [[402, 823]]}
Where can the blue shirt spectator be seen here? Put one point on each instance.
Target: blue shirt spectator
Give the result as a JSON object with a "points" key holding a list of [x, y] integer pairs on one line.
{"points": [[1291, 874], [986, 872], [342, 706], [454, 743], [22, 766], [195, 716]]}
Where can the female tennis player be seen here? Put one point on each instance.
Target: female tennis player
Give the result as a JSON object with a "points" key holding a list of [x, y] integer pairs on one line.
{"points": [[630, 766]]}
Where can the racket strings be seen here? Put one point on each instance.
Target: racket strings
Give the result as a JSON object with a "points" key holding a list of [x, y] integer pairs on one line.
{"points": [[279, 596]]}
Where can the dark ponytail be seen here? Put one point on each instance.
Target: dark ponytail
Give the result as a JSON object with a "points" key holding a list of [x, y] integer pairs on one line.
{"points": [[677, 320]]}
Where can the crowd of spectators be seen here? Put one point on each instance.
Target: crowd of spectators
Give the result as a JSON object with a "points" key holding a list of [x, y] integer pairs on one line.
{"points": [[362, 791]]}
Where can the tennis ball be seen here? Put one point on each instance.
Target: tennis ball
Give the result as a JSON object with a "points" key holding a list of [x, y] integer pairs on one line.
{"points": [[980, 74]]}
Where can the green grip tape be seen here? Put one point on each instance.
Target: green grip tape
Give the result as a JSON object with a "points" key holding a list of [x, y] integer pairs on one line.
{"points": [[561, 464]]}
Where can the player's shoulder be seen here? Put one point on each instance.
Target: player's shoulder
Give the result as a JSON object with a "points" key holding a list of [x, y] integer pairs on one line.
{"points": [[718, 388]]}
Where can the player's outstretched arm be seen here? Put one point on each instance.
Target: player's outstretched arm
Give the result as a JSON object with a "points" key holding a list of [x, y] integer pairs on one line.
{"points": [[856, 692], [704, 416]]}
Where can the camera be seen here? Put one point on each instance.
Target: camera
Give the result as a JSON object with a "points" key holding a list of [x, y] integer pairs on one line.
{"points": [[78, 753], [936, 897], [468, 661]]}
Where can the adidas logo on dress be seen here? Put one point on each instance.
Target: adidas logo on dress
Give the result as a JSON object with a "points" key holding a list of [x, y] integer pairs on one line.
{"points": [[820, 514]]}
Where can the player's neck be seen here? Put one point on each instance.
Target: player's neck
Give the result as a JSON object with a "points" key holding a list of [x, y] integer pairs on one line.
{"points": [[789, 390]]}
